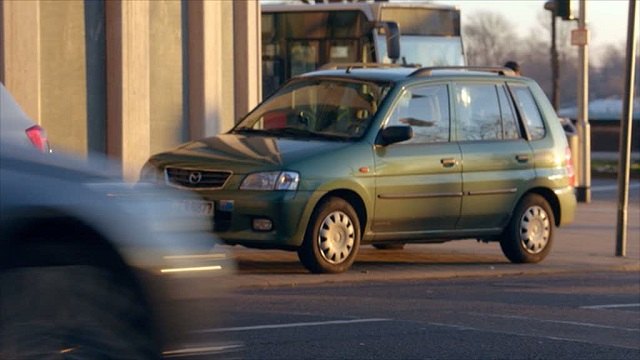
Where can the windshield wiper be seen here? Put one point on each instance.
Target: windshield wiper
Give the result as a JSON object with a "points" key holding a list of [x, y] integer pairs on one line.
{"points": [[290, 132], [246, 130]]}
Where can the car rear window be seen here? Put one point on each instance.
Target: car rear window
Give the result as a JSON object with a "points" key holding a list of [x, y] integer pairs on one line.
{"points": [[529, 111]]}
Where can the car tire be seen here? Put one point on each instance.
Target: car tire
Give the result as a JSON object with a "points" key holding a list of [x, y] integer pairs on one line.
{"points": [[75, 311], [529, 235], [332, 238], [389, 246]]}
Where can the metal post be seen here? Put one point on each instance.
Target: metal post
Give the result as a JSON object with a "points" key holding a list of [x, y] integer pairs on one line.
{"points": [[555, 64], [625, 134], [584, 130]]}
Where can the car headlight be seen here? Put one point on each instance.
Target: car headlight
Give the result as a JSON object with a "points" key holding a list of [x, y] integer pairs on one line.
{"points": [[272, 180]]}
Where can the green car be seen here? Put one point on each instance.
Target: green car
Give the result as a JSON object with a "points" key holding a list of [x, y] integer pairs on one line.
{"points": [[384, 156]]}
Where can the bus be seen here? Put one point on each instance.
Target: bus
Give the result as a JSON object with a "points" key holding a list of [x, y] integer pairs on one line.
{"points": [[298, 38]]}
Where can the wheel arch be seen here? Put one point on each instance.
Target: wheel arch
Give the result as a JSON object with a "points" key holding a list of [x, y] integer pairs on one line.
{"points": [[75, 241], [51, 226], [551, 198], [354, 199]]}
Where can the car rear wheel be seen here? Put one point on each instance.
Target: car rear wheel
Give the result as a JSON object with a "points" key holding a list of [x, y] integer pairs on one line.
{"points": [[529, 235], [332, 238], [75, 311]]}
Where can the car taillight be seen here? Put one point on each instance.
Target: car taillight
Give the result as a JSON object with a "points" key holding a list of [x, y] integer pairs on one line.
{"points": [[38, 138], [568, 163]]}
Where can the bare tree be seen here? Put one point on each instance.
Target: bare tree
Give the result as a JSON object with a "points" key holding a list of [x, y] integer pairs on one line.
{"points": [[489, 39], [608, 78]]}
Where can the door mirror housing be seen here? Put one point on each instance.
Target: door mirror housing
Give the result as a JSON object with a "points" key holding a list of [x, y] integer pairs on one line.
{"points": [[394, 134], [392, 34]]}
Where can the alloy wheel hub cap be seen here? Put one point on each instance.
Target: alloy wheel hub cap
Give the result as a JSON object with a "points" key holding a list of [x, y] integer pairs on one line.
{"points": [[336, 237], [535, 229]]}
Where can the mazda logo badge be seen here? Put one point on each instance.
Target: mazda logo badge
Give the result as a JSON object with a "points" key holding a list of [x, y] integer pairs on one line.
{"points": [[195, 177]]}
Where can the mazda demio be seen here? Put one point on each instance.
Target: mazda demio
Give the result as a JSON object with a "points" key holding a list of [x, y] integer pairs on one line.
{"points": [[385, 156]]}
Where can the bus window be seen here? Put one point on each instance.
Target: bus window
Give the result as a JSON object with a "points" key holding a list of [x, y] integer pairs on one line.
{"points": [[421, 21], [303, 56], [301, 38]]}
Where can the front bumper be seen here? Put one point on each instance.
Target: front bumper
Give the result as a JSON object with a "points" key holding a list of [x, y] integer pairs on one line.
{"points": [[288, 212], [185, 296]]}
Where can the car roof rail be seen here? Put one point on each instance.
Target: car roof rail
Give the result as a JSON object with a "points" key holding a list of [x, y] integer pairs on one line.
{"points": [[428, 71], [349, 66]]}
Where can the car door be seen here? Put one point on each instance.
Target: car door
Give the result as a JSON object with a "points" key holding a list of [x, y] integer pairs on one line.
{"points": [[418, 181], [497, 161]]}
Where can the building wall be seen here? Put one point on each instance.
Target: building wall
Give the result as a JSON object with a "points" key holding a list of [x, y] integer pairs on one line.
{"points": [[62, 74], [21, 53], [131, 78], [168, 127]]}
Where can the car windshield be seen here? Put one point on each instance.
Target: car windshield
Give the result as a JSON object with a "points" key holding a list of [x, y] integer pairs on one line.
{"points": [[311, 108]]}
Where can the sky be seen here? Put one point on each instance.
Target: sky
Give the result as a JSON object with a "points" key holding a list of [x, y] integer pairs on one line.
{"points": [[606, 19]]}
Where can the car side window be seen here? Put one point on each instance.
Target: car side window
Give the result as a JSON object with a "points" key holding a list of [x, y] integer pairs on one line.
{"points": [[478, 112], [510, 127], [530, 112], [426, 110]]}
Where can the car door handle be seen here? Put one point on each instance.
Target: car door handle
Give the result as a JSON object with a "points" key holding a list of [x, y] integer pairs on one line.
{"points": [[448, 162], [522, 158]]}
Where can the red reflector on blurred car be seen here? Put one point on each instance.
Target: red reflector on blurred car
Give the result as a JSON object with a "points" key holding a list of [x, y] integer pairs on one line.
{"points": [[38, 138]]}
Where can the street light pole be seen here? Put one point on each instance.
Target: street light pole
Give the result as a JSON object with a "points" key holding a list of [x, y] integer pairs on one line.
{"points": [[584, 129], [625, 134], [552, 6], [555, 65]]}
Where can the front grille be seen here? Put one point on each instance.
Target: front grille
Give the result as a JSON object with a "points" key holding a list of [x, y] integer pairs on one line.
{"points": [[196, 179]]}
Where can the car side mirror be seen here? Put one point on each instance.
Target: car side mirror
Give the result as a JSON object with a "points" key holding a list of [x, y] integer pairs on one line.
{"points": [[394, 134]]}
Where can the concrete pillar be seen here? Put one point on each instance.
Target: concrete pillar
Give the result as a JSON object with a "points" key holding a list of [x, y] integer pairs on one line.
{"points": [[247, 54], [63, 82], [168, 128], [205, 67], [20, 43], [128, 93]]}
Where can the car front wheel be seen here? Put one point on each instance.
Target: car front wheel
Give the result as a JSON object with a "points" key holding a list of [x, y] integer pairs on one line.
{"points": [[529, 235], [332, 238]]}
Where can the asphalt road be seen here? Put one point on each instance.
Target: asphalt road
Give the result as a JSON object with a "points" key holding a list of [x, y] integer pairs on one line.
{"points": [[568, 316], [450, 301]]}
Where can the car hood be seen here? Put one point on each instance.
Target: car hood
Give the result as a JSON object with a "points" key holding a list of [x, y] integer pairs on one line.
{"points": [[245, 151]]}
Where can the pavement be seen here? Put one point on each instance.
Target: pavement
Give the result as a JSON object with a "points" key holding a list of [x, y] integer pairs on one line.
{"points": [[586, 245]]}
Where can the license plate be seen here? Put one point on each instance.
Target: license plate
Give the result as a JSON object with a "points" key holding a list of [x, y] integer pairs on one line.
{"points": [[195, 207]]}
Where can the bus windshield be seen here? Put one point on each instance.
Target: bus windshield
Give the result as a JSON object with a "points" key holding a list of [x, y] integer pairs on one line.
{"points": [[300, 38], [426, 50]]}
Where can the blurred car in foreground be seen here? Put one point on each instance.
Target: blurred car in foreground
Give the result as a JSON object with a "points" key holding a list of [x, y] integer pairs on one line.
{"points": [[16, 127], [92, 268]]}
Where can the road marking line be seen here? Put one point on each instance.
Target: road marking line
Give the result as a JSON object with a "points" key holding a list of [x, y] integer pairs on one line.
{"points": [[292, 325], [200, 351], [527, 335], [558, 322], [610, 306]]}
